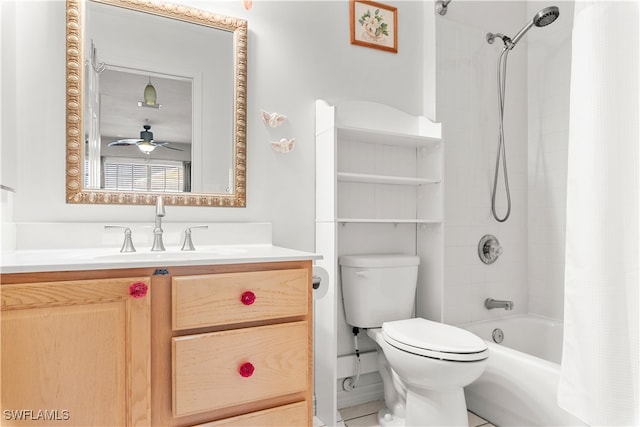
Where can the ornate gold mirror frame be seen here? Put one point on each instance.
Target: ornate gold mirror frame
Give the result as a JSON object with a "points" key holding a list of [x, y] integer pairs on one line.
{"points": [[75, 193]]}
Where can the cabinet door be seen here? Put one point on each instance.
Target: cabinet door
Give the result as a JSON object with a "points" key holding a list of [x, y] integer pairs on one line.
{"points": [[76, 353]]}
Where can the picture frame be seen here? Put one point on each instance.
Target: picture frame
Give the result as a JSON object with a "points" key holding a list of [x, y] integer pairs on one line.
{"points": [[374, 25]]}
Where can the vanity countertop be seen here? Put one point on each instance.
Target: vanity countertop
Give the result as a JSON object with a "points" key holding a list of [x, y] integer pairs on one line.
{"points": [[31, 261]]}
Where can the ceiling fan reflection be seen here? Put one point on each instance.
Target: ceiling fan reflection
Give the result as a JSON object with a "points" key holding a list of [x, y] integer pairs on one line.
{"points": [[145, 143]]}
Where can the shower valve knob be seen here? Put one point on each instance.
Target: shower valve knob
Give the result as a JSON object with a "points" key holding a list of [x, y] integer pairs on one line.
{"points": [[494, 250], [489, 249]]}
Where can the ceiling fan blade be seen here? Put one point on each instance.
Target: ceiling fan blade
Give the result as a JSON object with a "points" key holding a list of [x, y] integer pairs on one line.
{"points": [[121, 142], [166, 145], [170, 148]]}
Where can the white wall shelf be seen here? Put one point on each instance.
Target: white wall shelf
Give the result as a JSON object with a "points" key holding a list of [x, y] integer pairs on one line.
{"points": [[383, 179], [379, 189], [387, 221], [399, 139]]}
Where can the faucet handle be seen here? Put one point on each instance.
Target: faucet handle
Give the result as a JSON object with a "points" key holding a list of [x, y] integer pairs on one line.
{"points": [[188, 243], [127, 244]]}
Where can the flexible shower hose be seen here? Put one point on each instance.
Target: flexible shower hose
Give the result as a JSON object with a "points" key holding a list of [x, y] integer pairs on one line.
{"points": [[502, 80]]}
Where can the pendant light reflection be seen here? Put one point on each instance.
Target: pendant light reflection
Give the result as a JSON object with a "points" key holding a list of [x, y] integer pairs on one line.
{"points": [[150, 97]]}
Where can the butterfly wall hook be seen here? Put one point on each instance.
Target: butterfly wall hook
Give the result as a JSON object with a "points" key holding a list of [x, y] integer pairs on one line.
{"points": [[273, 119], [284, 145]]}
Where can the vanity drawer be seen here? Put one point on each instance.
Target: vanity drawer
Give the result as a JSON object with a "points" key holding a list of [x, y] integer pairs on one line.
{"points": [[220, 299], [294, 414], [221, 369]]}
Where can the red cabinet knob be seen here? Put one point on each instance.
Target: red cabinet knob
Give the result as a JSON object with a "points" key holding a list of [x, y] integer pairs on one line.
{"points": [[138, 289], [246, 369], [248, 298]]}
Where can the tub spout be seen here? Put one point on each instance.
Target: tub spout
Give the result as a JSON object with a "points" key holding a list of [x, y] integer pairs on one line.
{"points": [[491, 303]]}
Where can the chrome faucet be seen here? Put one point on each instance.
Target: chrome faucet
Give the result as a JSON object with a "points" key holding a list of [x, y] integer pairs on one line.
{"points": [[491, 303], [157, 230]]}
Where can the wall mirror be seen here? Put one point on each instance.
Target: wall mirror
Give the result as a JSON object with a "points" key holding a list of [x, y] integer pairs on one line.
{"points": [[156, 104]]}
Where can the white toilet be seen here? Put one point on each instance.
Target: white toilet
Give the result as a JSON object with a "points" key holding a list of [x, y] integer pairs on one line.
{"points": [[424, 364]]}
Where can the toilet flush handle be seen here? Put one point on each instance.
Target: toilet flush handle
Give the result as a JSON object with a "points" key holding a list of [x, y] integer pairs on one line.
{"points": [[364, 274]]}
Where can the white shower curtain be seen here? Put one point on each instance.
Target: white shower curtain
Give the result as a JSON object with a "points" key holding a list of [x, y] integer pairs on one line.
{"points": [[600, 362]]}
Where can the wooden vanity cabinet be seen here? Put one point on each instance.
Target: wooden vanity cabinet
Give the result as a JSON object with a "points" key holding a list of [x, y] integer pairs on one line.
{"points": [[233, 345], [218, 345], [75, 352]]}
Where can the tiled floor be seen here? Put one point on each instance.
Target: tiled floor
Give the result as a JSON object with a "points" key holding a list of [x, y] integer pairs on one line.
{"points": [[365, 415]]}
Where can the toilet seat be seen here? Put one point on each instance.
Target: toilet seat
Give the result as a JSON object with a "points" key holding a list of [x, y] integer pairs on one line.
{"points": [[435, 340]]}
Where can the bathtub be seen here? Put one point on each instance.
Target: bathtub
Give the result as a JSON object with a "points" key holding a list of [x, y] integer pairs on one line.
{"points": [[519, 385]]}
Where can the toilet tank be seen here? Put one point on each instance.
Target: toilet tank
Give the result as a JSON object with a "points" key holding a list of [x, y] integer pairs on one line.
{"points": [[378, 288]]}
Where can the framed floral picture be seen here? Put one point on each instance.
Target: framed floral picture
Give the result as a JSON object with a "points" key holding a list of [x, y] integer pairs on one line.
{"points": [[374, 25]]}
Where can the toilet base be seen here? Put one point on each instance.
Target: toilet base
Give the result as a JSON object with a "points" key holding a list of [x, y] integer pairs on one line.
{"points": [[436, 408], [429, 408], [387, 419]]}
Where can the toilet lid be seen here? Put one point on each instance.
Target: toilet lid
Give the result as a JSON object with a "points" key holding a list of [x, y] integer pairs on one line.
{"points": [[435, 340]]}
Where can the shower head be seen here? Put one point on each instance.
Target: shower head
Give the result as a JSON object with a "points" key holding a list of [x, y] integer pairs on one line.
{"points": [[546, 16], [543, 18]]}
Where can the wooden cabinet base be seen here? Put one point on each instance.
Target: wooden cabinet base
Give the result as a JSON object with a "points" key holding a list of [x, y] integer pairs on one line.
{"points": [[292, 415], [94, 348]]}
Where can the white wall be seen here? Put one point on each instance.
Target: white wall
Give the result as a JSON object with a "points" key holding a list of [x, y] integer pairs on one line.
{"points": [[467, 106], [549, 73], [7, 95], [298, 52]]}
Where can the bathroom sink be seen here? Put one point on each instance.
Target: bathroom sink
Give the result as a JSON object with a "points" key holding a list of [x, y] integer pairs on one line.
{"points": [[173, 254]]}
